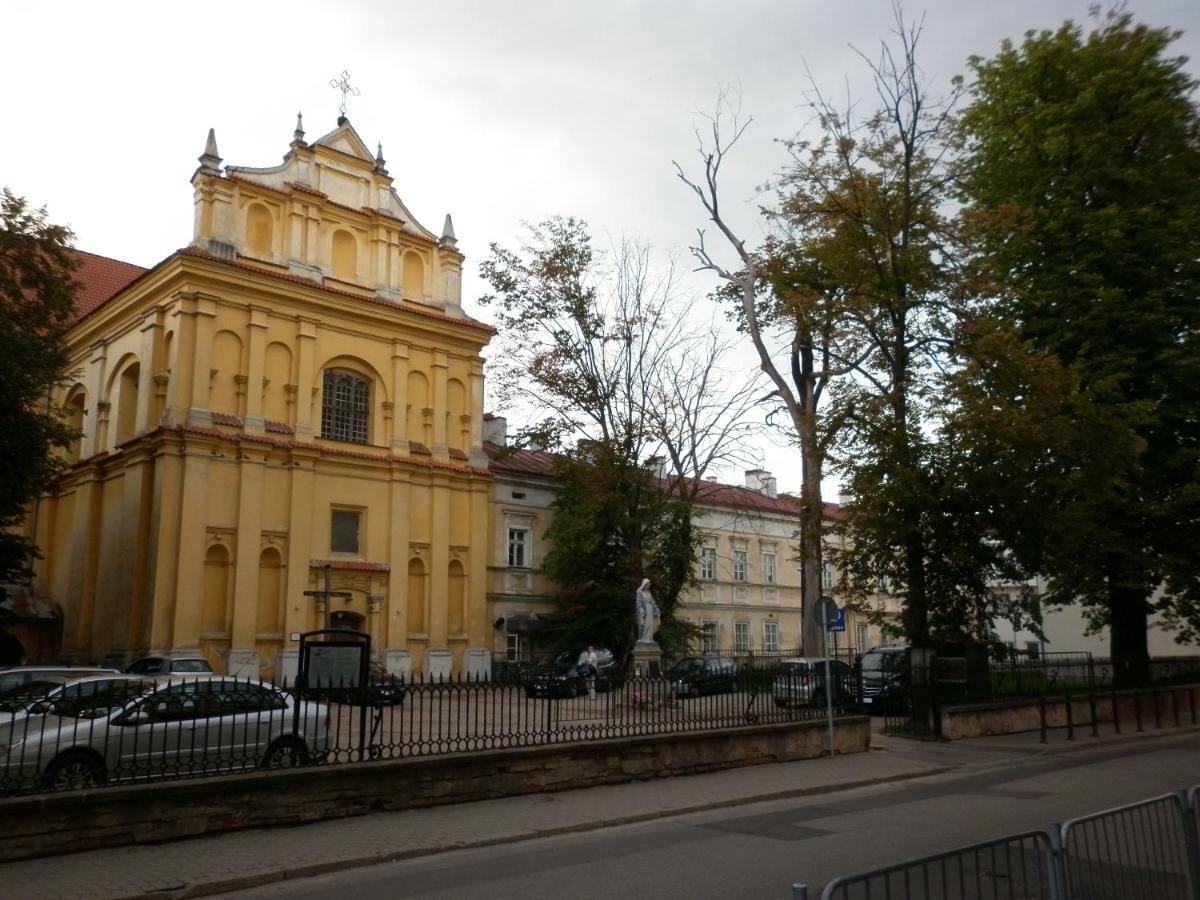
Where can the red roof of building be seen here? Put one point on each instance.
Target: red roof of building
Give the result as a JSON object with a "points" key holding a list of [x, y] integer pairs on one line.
{"points": [[100, 278], [539, 463]]}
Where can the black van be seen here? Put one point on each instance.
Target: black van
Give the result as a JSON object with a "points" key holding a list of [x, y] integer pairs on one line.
{"points": [[885, 679], [562, 675]]}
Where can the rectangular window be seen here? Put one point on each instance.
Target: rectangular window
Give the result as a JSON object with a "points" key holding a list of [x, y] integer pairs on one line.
{"points": [[770, 635], [512, 648], [741, 637], [708, 563], [826, 575], [708, 639], [739, 565], [518, 548], [345, 531], [860, 635], [768, 566]]}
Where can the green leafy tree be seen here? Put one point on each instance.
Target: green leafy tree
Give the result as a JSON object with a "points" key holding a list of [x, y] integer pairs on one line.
{"points": [[36, 301], [594, 347], [1082, 192]]}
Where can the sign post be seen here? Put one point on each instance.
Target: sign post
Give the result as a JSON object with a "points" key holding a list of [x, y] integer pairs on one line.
{"points": [[827, 614], [336, 667]]}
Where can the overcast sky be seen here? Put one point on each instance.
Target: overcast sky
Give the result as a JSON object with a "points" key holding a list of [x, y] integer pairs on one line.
{"points": [[496, 111]]}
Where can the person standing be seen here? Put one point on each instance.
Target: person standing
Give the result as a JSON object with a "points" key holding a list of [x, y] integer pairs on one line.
{"points": [[588, 663]]}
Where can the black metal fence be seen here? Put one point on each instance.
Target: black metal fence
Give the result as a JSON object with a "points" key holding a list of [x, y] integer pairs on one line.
{"points": [[138, 729], [1147, 849]]}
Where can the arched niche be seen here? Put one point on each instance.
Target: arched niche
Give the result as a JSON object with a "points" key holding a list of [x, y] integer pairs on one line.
{"points": [[260, 231], [278, 373], [227, 360], [269, 616], [343, 255], [414, 276], [213, 610], [456, 599], [125, 385], [418, 402], [456, 408], [75, 408], [417, 588]]}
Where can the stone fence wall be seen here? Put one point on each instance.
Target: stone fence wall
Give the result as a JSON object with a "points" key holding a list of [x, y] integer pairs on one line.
{"points": [[47, 824], [1018, 715]]}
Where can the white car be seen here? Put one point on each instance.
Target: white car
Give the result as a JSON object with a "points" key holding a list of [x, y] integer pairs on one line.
{"points": [[36, 696], [200, 725]]}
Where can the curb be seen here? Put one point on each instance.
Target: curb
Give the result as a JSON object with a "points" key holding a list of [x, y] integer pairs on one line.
{"points": [[244, 882]]}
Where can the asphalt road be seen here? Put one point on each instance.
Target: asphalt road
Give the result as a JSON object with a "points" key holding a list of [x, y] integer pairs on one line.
{"points": [[760, 850]]}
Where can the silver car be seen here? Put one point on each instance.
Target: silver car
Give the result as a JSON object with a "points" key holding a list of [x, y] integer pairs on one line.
{"points": [[148, 728], [38, 695]]}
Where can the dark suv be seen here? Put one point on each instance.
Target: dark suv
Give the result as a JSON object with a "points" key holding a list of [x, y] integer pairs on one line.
{"points": [[561, 676], [693, 676], [885, 679]]}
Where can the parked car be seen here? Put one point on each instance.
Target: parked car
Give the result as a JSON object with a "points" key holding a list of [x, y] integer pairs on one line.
{"points": [[200, 724], [170, 665], [800, 681], [561, 676], [885, 678], [694, 676], [36, 697], [13, 677], [383, 689]]}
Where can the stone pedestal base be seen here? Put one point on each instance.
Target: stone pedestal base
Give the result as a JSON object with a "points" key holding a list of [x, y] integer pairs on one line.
{"points": [[242, 664], [398, 663], [477, 663], [647, 659], [438, 664], [287, 666]]}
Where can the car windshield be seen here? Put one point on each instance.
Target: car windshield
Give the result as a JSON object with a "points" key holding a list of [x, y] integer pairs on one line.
{"points": [[191, 665], [880, 662]]}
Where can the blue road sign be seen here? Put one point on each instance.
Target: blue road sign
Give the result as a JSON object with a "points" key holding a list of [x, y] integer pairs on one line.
{"points": [[840, 624]]}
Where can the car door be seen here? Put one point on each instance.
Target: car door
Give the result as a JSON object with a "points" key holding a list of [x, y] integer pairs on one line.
{"points": [[243, 719], [156, 734]]}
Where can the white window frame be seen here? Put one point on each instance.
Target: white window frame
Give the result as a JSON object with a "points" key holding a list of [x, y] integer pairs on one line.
{"points": [[520, 538], [861, 636], [741, 630], [826, 575], [708, 563], [770, 635], [710, 630], [739, 566], [769, 569]]}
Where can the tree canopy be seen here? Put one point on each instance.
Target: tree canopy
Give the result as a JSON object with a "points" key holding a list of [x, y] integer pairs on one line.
{"points": [[36, 301]]}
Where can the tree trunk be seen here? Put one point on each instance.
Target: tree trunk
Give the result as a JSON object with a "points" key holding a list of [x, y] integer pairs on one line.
{"points": [[811, 526], [1128, 621]]}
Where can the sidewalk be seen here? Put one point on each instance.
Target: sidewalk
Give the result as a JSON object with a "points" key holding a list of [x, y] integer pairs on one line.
{"points": [[210, 865]]}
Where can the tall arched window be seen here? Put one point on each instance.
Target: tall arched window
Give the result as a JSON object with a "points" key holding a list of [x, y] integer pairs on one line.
{"points": [[346, 407]]}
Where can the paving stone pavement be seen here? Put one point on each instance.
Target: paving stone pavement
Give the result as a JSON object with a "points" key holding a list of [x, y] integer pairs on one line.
{"points": [[207, 865]]}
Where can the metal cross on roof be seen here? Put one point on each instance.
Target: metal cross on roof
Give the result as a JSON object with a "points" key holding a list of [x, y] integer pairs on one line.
{"points": [[342, 83]]}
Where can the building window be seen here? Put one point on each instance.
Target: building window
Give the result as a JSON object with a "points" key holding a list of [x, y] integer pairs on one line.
{"points": [[345, 531], [860, 635], [518, 548], [739, 565], [708, 637], [708, 563], [770, 635], [826, 575], [346, 408], [741, 637], [512, 648], [768, 567]]}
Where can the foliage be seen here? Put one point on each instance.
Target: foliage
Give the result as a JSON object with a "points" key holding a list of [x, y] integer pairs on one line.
{"points": [[1082, 192], [36, 302]]}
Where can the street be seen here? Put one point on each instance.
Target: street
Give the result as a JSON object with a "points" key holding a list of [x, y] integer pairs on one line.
{"points": [[759, 850]]}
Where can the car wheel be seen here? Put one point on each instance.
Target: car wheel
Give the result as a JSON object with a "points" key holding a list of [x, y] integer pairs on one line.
{"points": [[285, 753], [74, 772]]}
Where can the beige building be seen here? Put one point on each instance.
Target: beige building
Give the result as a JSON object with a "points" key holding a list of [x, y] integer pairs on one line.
{"points": [[297, 389]]}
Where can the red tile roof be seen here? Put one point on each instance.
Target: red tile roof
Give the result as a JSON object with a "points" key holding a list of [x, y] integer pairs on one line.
{"points": [[100, 279], [539, 463]]}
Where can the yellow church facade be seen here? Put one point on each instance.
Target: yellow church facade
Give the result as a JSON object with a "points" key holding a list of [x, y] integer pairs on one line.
{"points": [[296, 393]]}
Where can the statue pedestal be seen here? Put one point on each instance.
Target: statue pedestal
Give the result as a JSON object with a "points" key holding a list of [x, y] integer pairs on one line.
{"points": [[647, 660]]}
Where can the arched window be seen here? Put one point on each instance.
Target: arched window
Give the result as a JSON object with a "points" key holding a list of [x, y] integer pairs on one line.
{"points": [[344, 255], [346, 407]]}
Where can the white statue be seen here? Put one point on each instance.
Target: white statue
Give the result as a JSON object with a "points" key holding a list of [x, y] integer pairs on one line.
{"points": [[647, 613]]}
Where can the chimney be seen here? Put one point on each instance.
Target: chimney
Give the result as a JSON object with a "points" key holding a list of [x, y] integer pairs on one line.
{"points": [[495, 430], [762, 481]]}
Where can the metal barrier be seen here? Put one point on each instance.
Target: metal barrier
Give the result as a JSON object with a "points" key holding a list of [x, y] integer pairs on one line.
{"points": [[1140, 850], [1148, 850]]}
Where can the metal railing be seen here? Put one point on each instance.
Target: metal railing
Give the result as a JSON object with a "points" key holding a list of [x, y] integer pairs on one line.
{"points": [[195, 726], [1146, 849]]}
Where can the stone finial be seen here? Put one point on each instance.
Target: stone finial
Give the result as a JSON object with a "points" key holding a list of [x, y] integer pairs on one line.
{"points": [[380, 162], [448, 239], [298, 134], [210, 161]]}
